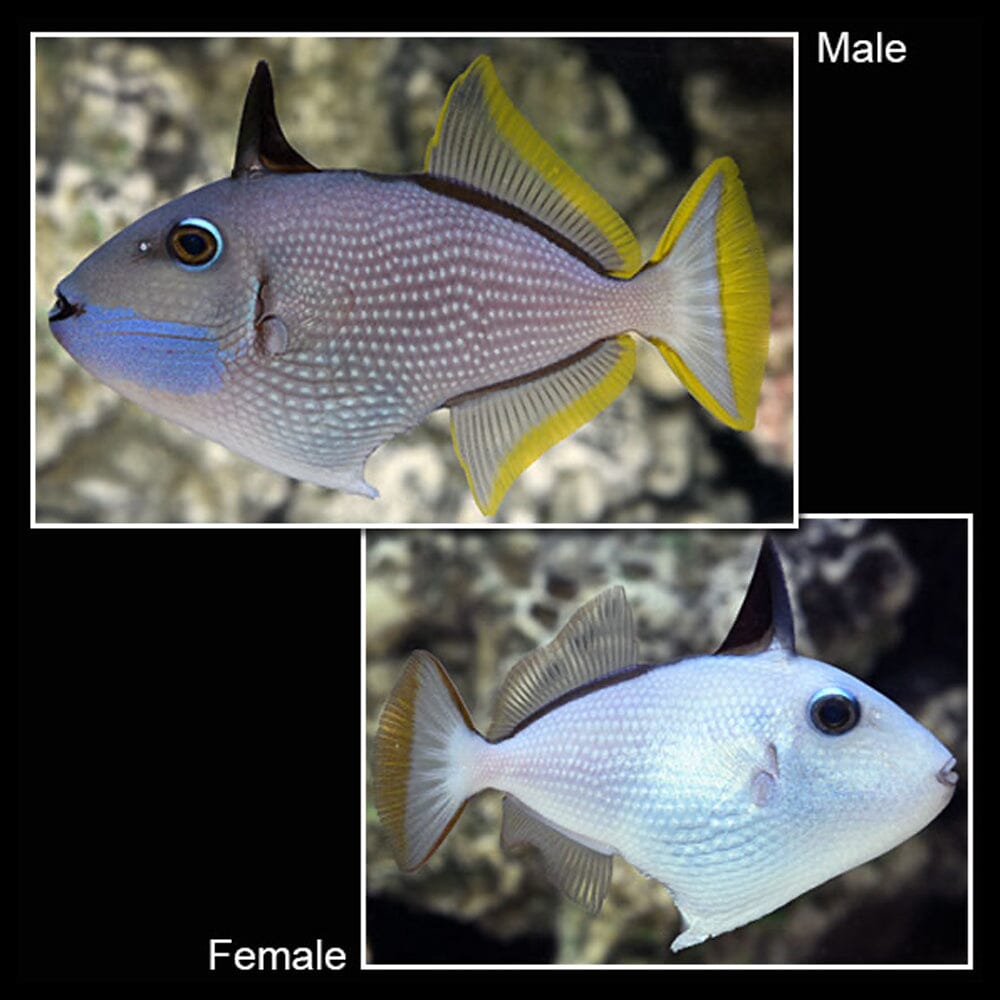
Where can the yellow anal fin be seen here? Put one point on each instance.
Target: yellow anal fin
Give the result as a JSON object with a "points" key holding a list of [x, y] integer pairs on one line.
{"points": [[483, 140], [720, 297], [498, 433]]}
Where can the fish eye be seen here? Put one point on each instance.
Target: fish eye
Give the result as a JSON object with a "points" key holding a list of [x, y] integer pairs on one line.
{"points": [[195, 244], [834, 711]]}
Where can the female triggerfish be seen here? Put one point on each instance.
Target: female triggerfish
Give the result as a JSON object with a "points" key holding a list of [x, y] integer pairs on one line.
{"points": [[303, 317], [739, 780]]}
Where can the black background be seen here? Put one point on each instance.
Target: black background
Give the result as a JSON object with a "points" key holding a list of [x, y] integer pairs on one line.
{"points": [[188, 714]]}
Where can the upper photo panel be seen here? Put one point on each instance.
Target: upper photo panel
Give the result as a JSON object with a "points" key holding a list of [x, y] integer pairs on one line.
{"points": [[404, 280]]}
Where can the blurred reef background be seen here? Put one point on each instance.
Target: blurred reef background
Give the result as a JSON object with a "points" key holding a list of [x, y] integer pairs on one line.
{"points": [[124, 125], [885, 600]]}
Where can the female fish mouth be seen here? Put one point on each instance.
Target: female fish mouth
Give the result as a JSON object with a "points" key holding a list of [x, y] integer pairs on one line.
{"points": [[947, 775]]}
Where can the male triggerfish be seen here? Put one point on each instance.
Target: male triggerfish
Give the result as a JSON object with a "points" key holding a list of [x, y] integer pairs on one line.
{"points": [[303, 317], [739, 780]]}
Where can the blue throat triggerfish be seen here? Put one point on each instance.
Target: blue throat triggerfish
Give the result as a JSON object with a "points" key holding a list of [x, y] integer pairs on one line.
{"points": [[303, 317], [739, 780]]}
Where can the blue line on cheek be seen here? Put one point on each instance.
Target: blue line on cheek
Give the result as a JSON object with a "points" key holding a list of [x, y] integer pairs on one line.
{"points": [[117, 344]]}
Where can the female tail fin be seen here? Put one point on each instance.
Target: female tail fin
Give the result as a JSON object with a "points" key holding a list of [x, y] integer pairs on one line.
{"points": [[424, 736]]}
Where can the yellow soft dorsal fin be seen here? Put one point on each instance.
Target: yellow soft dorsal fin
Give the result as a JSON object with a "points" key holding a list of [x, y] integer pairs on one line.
{"points": [[722, 306], [498, 433], [482, 140]]}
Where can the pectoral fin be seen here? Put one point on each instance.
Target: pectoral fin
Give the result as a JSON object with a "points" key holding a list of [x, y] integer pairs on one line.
{"points": [[293, 312], [764, 777]]}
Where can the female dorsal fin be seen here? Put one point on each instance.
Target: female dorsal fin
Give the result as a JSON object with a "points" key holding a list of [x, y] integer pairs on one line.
{"points": [[765, 617], [597, 642], [261, 144]]}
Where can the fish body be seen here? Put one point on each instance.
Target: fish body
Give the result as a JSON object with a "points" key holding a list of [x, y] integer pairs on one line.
{"points": [[738, 780], [302, 317], [406, 295]]}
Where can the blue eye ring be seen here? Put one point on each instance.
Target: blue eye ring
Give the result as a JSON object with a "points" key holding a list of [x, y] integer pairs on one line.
{"points": [[834, 711], [195, 243]]}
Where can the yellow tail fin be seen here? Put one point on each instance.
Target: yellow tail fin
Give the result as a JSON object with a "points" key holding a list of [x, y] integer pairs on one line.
{"points": [[716, 296]]}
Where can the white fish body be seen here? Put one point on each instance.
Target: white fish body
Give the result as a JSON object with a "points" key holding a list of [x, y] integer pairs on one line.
{"points": [[739, 780]]}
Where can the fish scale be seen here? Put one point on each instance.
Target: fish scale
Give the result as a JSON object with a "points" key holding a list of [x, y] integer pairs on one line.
{"points": [[542, 765], [303, 317], [443, 331]]}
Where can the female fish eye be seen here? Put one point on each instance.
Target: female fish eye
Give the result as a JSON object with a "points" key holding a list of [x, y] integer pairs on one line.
{"points": [[834, 711], [194, 243]]}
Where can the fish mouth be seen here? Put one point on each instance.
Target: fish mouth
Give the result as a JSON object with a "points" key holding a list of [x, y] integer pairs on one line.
{"points": [[947, 775], [63, 309]]}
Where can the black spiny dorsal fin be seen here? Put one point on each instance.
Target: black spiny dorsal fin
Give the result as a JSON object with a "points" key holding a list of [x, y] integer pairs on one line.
{"points": [[261, 144], [765, 618]]}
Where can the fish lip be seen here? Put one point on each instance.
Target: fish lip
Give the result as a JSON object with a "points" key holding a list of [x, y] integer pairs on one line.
{"points": [[63, 309], [946, 775]]}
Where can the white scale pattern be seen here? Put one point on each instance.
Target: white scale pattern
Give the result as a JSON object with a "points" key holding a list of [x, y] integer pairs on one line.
{"points": [[661, 768], [430, 297], [617, 767]]}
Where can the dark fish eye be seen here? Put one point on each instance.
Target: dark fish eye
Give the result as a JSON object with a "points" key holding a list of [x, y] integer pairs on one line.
{"points": [[834, 711], [194, 243]]}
